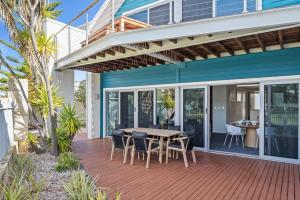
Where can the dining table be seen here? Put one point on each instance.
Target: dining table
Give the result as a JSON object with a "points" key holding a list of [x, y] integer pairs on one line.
{"points": [[160, 133], [250, 136]]}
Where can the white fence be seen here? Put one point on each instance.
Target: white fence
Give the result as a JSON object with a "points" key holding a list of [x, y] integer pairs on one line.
{"points": [[6, 130]]}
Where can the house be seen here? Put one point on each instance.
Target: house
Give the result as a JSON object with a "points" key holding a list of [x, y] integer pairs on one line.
{"points": [[216, 62]]}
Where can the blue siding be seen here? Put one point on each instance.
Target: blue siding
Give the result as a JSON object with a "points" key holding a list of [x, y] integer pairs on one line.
{"points": [[132, 4], [232, 7], [269, 4], [267, 64]]}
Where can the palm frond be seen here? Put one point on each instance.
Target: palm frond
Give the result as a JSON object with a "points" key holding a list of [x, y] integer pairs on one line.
{"points": [[13, 59], [9, 45], [49, 10]]}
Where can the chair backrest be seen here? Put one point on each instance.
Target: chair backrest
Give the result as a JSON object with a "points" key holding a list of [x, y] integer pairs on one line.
{"points": [[119, 126], [157, 126], [174, 128], [140, 141], [237, 130], [229, 128], [118, 139], [190, 134]]}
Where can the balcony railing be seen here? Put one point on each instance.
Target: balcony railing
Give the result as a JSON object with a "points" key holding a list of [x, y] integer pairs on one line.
{"points": [[70, 37]]}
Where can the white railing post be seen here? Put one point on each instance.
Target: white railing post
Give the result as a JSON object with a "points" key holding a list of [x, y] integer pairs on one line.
{"points": [[171, 12], [245, 9], [214, 8], [113, 15], [69, 39], [87, 30], [148, 16], [259, 5]]}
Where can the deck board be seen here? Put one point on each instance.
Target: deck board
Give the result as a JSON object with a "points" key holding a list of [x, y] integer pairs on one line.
{"points": [[214, 176]]}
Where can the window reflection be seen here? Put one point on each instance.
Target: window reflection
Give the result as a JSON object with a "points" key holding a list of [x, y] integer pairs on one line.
{"points": [[165, 107]]}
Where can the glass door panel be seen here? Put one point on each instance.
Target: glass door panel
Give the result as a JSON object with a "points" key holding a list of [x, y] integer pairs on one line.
{"points": [[194, 113], [112, 99], [281, 120], [127, 109], [145, 108]]}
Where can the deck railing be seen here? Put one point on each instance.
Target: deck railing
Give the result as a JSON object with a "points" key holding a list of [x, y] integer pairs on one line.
{"points": [[76, 34]]}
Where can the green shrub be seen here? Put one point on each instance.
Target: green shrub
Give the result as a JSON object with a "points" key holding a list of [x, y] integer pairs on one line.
{"points": [[67, 161], [69, 120], [63, 140], [22, 166], [81, 186], [32, 139], [16, 190]]}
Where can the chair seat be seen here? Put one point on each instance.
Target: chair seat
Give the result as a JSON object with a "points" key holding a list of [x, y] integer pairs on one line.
{"points": [[175, 145]]}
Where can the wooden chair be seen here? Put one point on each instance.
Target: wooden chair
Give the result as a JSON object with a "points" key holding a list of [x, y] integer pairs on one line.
{"points": [[122, 142], [182, 144], [143, 144]]}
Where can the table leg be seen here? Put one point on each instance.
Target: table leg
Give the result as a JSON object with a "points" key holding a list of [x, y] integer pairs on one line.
{"points": [[161, 146]]}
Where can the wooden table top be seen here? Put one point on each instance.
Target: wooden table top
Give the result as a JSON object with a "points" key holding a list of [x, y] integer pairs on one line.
{"points": [[246, 126], [154, 132]]}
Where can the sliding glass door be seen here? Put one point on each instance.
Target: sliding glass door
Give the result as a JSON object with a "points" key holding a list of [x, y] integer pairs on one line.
{"points": [[281, 120], [127, 109], [112, 111], [145, 108], [194, 114]]}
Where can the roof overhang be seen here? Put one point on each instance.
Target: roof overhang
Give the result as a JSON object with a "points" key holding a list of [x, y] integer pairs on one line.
{"points": [[156, 44]]}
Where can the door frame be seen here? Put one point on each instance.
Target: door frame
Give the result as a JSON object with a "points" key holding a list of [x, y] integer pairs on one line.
{"points": [[206, 109], [261, 121]]}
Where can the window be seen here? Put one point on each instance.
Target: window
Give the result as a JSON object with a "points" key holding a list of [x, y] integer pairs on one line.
{"points": [[196, 9], [165, 106]]}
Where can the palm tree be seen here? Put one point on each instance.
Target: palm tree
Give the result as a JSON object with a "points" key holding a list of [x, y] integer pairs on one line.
{"points": [[24, 19]]}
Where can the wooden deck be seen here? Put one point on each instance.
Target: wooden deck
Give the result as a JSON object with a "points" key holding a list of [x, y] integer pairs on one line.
{"points": [[213, 177]]}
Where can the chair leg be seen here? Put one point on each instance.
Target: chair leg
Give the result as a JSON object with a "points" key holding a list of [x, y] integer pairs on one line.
{"points": [[177, 155], [257, 139], [243, 141], [148, 159], [132, 155], [125, 156], [194, 156], [225, 139], [112, 152], [138, 155], [143, 156], [185, 159], [236, 140], [230, 141], [167, 153]]}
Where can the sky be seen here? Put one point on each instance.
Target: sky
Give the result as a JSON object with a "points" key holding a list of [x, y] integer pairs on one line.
{"points": [[70, 8]]}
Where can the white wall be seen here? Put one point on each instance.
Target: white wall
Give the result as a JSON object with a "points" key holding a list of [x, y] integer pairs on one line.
{"points": [[77, 36], [219, 109], [93, 105]]}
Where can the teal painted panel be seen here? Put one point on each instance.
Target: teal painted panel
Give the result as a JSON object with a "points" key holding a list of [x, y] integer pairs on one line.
{"points": [[132, 4], [269, 4], [266, 64]]}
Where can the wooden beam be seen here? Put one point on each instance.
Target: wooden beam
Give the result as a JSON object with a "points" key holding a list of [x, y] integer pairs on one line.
{"points": [[183, 54], [225, 48], [260, 42], [191, 38], [158, 43], [110, 52], [119, 49], [241, 45], [280, 37], [210, 50], [195, 52], [174, 41]]}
